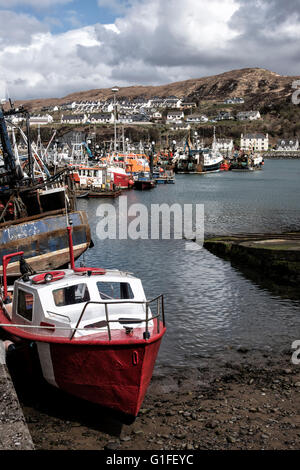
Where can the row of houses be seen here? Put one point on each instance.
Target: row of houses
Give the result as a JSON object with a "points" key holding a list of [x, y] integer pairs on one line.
{"points": [[143, 115], [260, 142], [256, 142], [34, 120], [104, 118], [222, 116], [171, 102]]}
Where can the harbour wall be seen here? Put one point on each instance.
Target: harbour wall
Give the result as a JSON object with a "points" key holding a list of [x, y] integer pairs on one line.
{"points": [[279, 155], [275, 256], [14, 433]]}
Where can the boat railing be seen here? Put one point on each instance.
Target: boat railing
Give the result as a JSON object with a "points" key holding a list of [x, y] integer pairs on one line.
{"points": [[160, 314]]}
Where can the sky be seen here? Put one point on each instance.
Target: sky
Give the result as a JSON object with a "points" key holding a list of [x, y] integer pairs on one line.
{"points": [[50, 48]]}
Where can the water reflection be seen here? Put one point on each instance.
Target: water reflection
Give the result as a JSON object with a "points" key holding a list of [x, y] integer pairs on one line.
{"points": [[212, 306]]}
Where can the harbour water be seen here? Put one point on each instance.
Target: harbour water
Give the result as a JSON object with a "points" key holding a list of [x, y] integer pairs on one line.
{"points": [[212, 308]]}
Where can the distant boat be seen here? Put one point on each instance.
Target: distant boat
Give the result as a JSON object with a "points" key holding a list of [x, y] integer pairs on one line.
{"points": [[144, 181], [212, 158], [162, 176], [245, 162], [225, 166], [212, 161]]}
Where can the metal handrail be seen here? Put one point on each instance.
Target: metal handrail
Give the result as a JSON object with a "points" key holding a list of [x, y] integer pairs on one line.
{"points": [[127, 301]]}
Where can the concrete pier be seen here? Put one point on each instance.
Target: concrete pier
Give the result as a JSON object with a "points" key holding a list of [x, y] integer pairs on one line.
{"points": [[14, 433], [274, 255]]}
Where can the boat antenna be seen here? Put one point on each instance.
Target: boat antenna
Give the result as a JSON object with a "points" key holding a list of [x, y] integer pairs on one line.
{"points": [[29, 150], [71, 249]]}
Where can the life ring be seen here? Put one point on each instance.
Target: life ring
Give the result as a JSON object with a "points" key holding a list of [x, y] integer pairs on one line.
{"points": [[50, 276]]}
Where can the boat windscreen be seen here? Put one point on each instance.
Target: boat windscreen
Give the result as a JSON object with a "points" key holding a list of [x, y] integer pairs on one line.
{"points": [[115, 290], [71, 295]]}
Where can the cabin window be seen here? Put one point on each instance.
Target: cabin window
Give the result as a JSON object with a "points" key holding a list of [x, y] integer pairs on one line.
{"points": [[115, 290], [25, 304], [71, 295]]}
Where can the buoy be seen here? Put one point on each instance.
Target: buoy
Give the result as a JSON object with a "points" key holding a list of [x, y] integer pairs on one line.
{"points": [[50, 276]]}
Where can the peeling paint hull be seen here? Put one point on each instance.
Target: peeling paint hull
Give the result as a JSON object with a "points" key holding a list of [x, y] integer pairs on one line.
{"points": [[44, 240]]}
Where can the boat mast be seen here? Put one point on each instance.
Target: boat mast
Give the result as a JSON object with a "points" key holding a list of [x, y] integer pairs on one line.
{"points": [[13, 169]]}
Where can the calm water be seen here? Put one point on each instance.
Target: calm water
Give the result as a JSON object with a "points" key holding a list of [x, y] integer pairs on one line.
{"points": [[211, 307]]}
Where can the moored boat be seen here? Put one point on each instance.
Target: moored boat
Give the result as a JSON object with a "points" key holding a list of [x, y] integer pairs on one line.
{"points": [[43, 239], [34, 203], [247, 162], [225, 166], [144, 181], [162, 176]]}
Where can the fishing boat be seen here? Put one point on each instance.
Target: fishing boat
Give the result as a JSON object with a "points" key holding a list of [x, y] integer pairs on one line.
{"points": [[120, 178], [124, 166], [34, 204], [225, 166], [212, 158], [94, 181], [144, 181], [212, 161], [163, 176], [247, 162], [96, 335], [190, 162]]}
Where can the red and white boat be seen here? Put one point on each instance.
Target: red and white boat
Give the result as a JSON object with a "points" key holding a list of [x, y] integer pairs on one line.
{"points": [[96, 334], [100, 176], [120, 178]]}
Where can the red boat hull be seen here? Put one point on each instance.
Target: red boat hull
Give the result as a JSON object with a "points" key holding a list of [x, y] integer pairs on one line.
{"points": [[113, 377], [112, 373], [123, 181]]}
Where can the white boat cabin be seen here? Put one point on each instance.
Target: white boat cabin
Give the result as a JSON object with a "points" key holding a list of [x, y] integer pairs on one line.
{"points": [[54, 307], [92, 176]]}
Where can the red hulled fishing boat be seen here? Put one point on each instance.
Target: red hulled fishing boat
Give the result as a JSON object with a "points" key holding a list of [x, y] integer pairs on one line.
{"points": [[96, 334]]}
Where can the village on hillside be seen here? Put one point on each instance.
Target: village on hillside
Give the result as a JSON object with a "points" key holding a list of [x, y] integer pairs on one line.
{"points": [[175, 114]]}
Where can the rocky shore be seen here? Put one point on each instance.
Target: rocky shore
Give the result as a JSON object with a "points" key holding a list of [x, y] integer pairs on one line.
{"points": [[247, 403]]}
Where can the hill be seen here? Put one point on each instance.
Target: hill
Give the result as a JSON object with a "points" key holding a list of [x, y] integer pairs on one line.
{"points": [[259, 87]]}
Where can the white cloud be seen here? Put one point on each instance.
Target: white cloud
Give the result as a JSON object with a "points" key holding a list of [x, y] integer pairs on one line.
{"points": [[154, 42], [2, 89], [18, 28]]}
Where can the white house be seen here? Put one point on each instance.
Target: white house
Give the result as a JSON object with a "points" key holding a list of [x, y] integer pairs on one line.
{"points": [[173, 102], [157, 103], [41, 120], [288, 145], [175, 116], [188, 105], [248, 116], [256, 142], [224, 145], [234, 100], [196, 118], [179, 126], [125, 118], [74, 119], [100, 118]]}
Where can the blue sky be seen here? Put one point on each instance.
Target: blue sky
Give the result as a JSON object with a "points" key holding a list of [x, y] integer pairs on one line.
{"points": [[75, 13], [51, 48]]}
